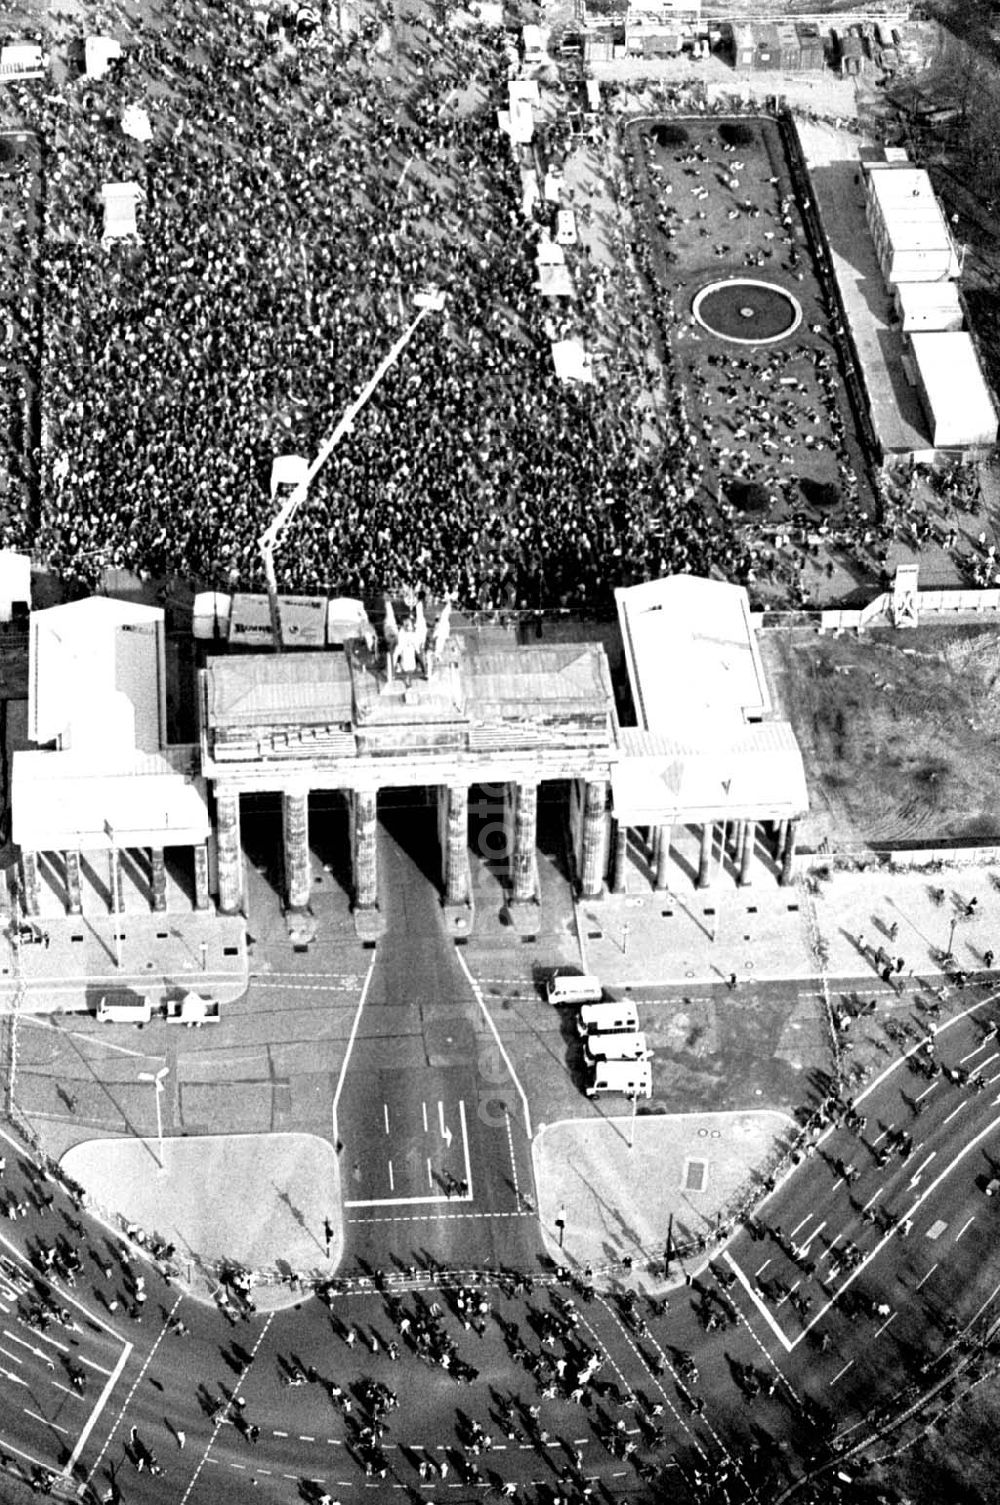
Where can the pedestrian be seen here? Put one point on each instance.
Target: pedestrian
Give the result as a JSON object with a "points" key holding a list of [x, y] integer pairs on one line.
{"points": [[987, 959], [181, 1438], [733, 982]]}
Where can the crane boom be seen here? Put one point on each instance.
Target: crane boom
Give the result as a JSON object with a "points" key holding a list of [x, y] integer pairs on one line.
{"points": [[431, 302]]}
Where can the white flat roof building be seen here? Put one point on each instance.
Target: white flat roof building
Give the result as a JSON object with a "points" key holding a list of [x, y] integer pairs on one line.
{"points": [[692, 655], [909, 227], [928, 306], [96, 676], [706, 747], [956, 399]]}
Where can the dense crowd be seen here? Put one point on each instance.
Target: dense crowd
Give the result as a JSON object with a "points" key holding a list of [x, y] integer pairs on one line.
{"points": [[293, 205]]}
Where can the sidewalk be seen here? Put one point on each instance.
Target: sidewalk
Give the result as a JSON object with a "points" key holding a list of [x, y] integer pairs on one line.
{"points": [[602, 1191], [270, 1198], [685, 935], [162, 956]]}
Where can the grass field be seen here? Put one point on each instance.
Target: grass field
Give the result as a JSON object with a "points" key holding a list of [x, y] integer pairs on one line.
{"points": [[898, 732]]}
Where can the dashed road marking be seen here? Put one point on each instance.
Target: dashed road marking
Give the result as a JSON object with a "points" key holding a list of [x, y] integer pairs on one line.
{"points": [[441, 1217], [841, 1372]]}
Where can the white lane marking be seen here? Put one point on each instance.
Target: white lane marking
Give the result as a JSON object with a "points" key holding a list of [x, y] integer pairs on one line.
{"points": [[917, 1045], [927, 1277], [218, 1425], [105, 1393], [46, 1423], [392, 1179], [956, 1111], [841, 1372], [478, 992], [430, 1172], [805, 1220], [350, 1045], [758, 1273], [465, 1141], [424, 1106], [65, 1296], [14, 1357], [804, 1248], [75, 1034], [991, 1128], [38, 1352], [873, 1199], [762, 1309], [926, 1092], [513, 1162], [964, 1226], [385, 1111], [920, 1170], [891, 1318]]}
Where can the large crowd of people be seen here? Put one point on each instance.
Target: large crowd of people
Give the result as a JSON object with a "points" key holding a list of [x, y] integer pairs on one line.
{"points": [[293, 204]]}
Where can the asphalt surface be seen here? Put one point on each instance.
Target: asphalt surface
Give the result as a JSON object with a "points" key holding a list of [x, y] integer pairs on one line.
{"points": [[776, 1381], [435, 1163]]}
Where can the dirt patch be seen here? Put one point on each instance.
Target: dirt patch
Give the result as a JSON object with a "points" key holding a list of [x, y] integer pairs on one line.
{"points": [[897, 731]]}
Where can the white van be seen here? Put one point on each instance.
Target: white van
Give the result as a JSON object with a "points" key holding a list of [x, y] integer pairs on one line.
{"points": [[124, 1008], [629, 1046], [607, 1018], [573, 987], [532, 46], [630, 1078]]}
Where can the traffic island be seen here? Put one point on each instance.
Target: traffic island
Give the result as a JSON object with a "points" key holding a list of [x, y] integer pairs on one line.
{"points": [[269, 1203], [612, 1192]]}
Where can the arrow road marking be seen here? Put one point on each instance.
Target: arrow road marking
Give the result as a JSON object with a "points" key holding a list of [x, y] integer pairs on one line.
{"points": [[446, 1133], [920, 1172]]}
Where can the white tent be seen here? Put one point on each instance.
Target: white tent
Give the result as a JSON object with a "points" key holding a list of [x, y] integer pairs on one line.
{"points": [[98, 55], [571, 361], [136, 123], [119, 201], [211, 614]]}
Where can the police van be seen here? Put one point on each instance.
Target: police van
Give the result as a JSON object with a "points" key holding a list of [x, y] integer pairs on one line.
{"points": [[624, 1046], [573, 987], [607, 1018], [630, 1078]]}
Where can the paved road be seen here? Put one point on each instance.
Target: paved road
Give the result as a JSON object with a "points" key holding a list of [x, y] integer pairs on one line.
{"points": [[433, 1163]]}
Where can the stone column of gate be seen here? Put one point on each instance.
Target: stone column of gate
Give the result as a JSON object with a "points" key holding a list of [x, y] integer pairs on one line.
{"points": [[74, 888], [788, 852], [365, 849], [157, 880], [201, 894], [29, 883], [115, 883], [746, 854], [619, 857], [593, 840], [295, 825], [523, 861], [664, 834], [705, 855], [456, 846], [230, 850]]}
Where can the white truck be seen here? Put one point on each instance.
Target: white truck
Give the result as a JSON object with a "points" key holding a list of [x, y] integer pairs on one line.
{"points": [[193, 1011]]}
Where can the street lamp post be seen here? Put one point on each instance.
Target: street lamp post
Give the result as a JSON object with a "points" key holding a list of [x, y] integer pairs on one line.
{"points": [[951, 937], [561, 1224], [157, 1078], [634, 1100]]}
